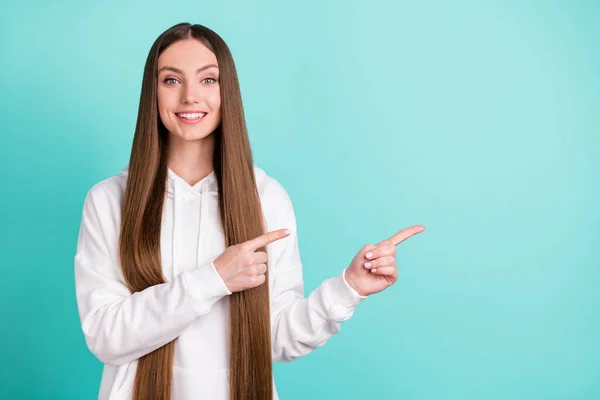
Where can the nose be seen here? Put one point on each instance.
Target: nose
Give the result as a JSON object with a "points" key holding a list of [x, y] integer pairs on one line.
{"points": [[190, 93]]}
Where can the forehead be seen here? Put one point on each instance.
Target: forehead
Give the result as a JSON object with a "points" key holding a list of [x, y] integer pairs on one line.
{"points": [[187, 55]]}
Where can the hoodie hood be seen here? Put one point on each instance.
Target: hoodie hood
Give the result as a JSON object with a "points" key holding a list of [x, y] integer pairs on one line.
{"points": [[178, 187]]}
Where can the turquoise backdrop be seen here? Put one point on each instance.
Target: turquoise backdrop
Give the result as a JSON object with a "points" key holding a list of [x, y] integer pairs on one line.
{"points": [[478, 119]]}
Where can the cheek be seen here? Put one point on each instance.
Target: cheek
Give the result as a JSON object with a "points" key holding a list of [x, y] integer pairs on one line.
{"points": [[215, 101], [160, 98], [165, 99], [163, 102]]}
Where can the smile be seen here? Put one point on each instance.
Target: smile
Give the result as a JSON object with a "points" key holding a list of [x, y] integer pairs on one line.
{"points": [[190, 118]]}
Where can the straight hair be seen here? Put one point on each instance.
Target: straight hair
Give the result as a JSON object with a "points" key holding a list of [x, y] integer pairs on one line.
{"points": [[240, 214]]}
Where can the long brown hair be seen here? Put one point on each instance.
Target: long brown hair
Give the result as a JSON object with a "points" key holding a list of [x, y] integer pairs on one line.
{"points": [[241, 216]]}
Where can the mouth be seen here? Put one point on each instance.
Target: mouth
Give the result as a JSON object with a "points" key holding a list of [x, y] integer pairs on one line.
{"points": [[191, 118]]}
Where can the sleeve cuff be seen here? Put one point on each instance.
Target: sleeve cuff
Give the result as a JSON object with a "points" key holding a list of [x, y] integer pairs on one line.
{"points": [[354, 293], [205, 285], [342, 298]]}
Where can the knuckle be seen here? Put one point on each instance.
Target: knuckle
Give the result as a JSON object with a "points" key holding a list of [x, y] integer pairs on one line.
{"points": [[367, 247], [251, 257], [261, 257]]}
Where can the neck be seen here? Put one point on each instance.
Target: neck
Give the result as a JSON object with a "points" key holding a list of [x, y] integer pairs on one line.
{"points": [[192, 160]]}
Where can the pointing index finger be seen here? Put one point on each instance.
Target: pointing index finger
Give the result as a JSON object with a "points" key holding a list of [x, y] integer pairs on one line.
{"points": [[406, 233], [267, 238]]}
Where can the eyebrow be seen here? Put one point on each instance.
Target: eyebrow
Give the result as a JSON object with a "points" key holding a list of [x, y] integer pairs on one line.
{"points": [[177, 70]]}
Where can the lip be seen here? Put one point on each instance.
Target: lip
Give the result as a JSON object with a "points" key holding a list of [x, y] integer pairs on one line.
{"points": [[191, 121], [192, 112]]}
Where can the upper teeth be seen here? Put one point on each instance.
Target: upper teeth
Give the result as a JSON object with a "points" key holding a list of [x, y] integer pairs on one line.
{"points": [[192, 116]]}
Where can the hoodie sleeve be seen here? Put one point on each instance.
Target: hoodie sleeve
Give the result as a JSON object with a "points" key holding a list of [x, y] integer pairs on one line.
{"points": [[119, 326], [298, 324]]}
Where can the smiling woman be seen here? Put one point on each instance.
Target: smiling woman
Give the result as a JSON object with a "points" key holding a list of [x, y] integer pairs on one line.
{"points": [[186, 94], [187, 271]]}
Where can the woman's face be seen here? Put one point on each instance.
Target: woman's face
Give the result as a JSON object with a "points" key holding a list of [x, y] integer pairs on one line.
{"points": [[189, 98]]}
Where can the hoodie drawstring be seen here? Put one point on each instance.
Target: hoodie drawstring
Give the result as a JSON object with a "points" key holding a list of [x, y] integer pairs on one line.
{"points": [[203, 215], [177, 189], [176, 236]]}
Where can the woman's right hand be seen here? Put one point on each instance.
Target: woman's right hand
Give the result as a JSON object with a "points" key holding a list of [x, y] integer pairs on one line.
{"points": [[242, 267]]}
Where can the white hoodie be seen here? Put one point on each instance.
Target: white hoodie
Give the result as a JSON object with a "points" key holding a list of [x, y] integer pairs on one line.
{"points": [[193, 305]]}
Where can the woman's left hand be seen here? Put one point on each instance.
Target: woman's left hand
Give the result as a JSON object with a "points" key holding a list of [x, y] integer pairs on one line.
{"points": [[374, 267]]}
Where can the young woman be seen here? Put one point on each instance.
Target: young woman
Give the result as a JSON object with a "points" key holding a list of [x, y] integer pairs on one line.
{"points": [[188, 276]]}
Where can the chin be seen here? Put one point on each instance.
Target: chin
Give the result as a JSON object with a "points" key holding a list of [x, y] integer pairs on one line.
{"points": [[192, 136]]}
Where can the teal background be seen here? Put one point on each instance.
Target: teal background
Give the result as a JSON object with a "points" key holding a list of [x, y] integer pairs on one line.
{"points": [[479, 120]]}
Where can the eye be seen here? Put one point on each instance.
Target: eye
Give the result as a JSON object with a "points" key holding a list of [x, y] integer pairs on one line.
{"points": [[169, 79], [215, 80]]}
